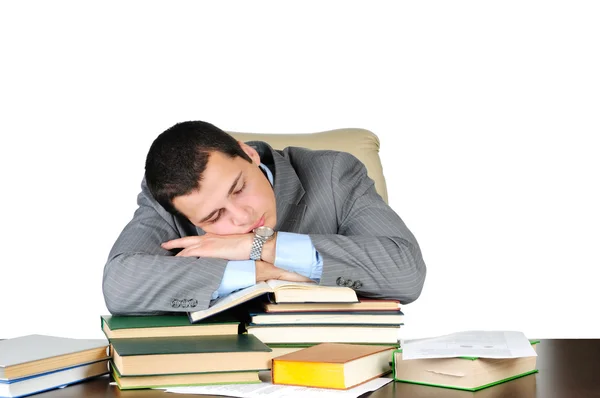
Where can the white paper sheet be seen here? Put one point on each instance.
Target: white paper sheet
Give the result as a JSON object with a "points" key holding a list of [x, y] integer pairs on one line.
{"points": [[482, 344], [267, 389]]}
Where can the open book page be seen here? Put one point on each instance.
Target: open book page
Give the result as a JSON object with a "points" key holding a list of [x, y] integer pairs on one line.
{"points": [[306, 292], [231, 300], [275, 283], [294, 292]]}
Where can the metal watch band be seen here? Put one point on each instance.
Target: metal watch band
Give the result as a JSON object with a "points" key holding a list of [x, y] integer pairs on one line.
{"points": [[257, 246]]}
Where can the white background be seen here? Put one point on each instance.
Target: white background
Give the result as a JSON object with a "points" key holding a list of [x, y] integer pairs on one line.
{"points": [[488, 116]]}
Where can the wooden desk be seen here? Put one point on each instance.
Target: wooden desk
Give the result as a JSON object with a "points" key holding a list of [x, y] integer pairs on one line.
{"points": [[567, 369]]}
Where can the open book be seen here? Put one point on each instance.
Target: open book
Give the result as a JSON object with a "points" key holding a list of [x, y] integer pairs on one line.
{"points": [[281, 292]]}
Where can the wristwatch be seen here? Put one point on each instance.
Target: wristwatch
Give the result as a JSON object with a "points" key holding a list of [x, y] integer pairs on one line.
{"points": [[261, 235]]}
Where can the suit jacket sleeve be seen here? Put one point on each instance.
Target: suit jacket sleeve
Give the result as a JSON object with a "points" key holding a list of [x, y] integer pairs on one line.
{"points": [[141, 277], [373, 245]]}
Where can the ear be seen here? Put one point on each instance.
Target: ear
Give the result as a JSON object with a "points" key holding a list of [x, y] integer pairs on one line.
{"points": [[250, 152]]}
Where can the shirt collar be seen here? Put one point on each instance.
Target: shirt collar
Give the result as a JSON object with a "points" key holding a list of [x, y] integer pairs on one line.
{"points": [[268, 172]]}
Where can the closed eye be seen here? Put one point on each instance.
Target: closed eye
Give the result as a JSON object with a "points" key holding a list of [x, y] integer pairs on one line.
{"points": [[220, 212], [241, 189], [214, 220]]}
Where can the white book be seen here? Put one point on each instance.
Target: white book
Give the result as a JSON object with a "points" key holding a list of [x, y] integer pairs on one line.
{"points": [[314, 334], [51, 380], [36, 354], [393, 318]]}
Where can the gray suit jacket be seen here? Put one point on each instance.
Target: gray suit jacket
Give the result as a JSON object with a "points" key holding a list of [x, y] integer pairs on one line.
{"points": [[325, 194]]}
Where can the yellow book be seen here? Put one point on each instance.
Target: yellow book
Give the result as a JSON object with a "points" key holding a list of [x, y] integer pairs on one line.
{"points": [[331, 365]]}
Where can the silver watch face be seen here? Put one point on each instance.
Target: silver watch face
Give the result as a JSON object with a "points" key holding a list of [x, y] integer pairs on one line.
{"points": [[264, 232]]}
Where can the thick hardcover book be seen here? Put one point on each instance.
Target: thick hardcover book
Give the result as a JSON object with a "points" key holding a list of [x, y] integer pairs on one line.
{"points": [[198, 354], [50, 380], [282, 292], [35, 354], [182, 380], [463, 373], [363, 304], [328, 318], [118, 327], [278, 350], [298, 334], [339, 366]]}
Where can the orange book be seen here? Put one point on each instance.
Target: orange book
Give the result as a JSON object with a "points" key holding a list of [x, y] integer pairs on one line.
{"points": [[332, 365]]}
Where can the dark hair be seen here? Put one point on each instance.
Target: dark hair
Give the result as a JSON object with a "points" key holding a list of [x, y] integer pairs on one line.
{"points": [[178, 157]]}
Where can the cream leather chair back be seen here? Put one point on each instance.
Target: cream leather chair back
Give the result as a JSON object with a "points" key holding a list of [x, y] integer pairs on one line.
{"points": [[359, 142]]}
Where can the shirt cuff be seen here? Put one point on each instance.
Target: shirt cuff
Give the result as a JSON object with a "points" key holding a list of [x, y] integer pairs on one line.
{"points": [[237, 275], [296, 253]]}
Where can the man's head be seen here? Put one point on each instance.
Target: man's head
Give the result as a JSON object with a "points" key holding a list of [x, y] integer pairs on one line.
{"points": [[197, 170]]}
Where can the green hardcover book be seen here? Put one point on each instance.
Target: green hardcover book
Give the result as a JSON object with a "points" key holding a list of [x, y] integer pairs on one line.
{"points": [[278, 350], [182, 380], [463, 373], [119, 327], [190, 354]]}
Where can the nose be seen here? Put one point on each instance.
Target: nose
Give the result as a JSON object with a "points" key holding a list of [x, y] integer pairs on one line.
{"points": [[240, 215]]}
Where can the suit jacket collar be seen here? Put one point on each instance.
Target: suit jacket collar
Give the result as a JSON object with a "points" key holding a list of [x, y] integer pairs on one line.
{"points": [[287, 186]]}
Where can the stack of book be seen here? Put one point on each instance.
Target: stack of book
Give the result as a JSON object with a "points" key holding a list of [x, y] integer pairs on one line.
{"points": [[36, 363], [169, 351], [300, 315], [287, 327]]}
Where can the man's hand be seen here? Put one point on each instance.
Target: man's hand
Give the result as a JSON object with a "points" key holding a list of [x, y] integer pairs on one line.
{"points": [[227, 247], [266, 271]]}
